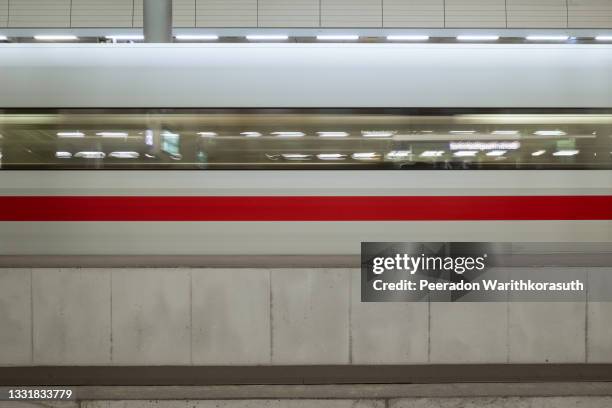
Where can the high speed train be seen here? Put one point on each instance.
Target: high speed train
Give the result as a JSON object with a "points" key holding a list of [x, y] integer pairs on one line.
{"points": [[305, 211]]}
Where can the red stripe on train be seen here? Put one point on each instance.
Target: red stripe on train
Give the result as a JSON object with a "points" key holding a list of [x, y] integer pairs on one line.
{"points": [[307, 208]]}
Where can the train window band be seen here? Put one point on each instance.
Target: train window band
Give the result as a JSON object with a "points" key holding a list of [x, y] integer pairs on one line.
{"points": [[296, 139]]}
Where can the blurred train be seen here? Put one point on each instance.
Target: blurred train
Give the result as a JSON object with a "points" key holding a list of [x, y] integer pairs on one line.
{"points": [[299, 212]]}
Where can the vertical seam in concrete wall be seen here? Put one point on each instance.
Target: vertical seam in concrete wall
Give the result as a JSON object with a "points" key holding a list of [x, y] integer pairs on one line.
{"points": [[8, 15], [257, 4], [382, 13], [195, 13], [566, 13], [191, 316], [350, 318], [70, 15], [133, 11], [271, 318], [111, 308], [507, 327], [320, 12], [586, 322], [428, 328], [32, 316]]}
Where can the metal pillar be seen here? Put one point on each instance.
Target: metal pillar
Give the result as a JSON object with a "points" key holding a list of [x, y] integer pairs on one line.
{"points": [[158, 21]]}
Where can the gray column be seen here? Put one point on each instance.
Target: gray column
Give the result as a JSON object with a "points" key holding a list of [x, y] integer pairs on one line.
{"points": [[158, 21]]}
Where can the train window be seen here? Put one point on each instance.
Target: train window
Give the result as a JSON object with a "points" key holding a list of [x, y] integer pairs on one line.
{"points": [[226, 139]]}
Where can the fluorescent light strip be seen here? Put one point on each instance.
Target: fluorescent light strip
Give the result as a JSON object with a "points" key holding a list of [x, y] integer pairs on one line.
{"points": [[271, 37], [365, 156], [251, 134], [407, 37], [90, 155], [56, 37], [125, 37], [3, 38], [331, 156], [332, 134], [462, 132], [603, 38], [566, 153], [477, 37], [505, 132], [465, 153], [70, 134], [547, 38], [538, 153], [377, 133], [124, 155], [432, 153], [399, 154], [296, 156], [112, 134], [288, 134], [207, 134], [207, 37], [496, 153], [63, 155], [337, 37], [550, 133]]}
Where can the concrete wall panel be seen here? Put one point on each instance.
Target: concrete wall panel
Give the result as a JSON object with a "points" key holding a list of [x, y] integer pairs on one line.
{"points": [[15, 317], [310, 320], [231, 316], [151, 316], [71, 316]]}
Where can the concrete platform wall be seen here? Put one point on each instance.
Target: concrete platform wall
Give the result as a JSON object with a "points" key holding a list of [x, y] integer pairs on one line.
{"points": [[273, 317]]}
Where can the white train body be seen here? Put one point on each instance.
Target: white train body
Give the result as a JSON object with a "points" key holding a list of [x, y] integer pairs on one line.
{"points": [[301, 76]]}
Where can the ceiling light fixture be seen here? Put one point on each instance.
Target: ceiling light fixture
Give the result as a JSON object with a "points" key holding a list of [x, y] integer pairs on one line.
{"points": [[465, 153], [288, 134], [70, 134], [331, 156], [56, 37], [112, 134], [547, 38], [566, 153], [550, 133], [332, 134], [377, 133], [296, 156], [365, 156], [124, 155], [90, 155], [432, 153]]}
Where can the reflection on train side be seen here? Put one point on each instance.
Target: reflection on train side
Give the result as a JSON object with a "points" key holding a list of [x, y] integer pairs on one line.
{"points": [[305, 139]]}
